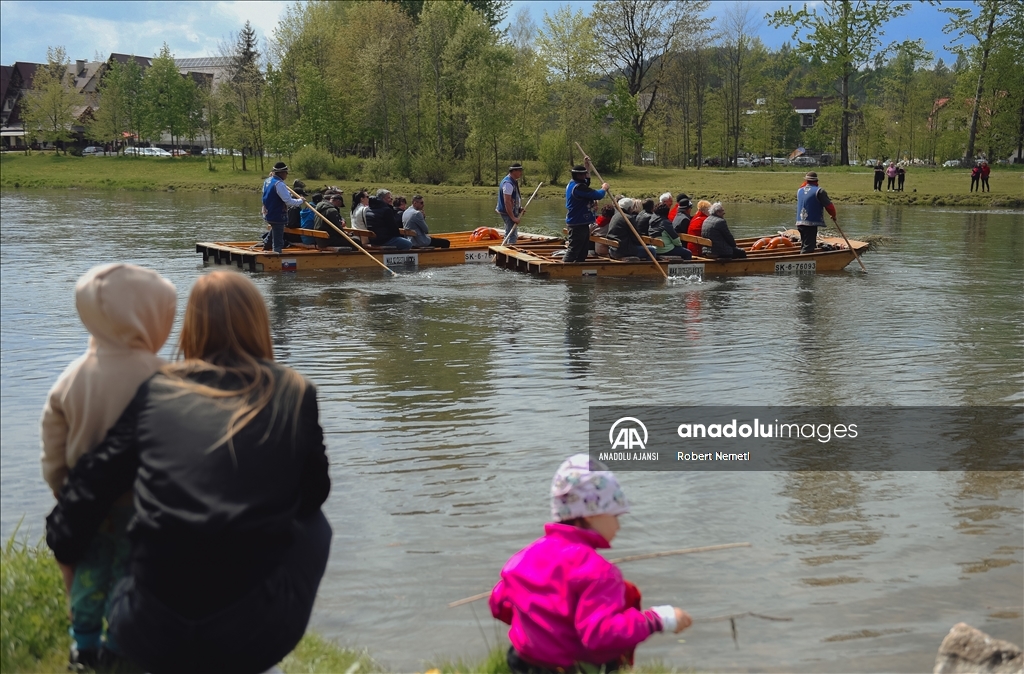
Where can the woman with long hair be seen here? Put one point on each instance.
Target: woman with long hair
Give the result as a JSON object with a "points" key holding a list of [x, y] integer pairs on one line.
{"points": [[224, 453]]}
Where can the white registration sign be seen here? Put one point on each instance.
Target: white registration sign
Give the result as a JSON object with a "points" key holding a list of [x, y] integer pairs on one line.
{"points": [[687, 270], [478, 256], [806, 267], [402, 259]]}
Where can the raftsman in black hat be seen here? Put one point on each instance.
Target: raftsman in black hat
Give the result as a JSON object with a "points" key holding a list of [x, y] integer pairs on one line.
{"points": [[280, 167], [579, 168], [516, 167]]}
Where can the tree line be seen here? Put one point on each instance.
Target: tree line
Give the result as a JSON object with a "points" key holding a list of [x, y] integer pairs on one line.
{"points": [[413, 89]]}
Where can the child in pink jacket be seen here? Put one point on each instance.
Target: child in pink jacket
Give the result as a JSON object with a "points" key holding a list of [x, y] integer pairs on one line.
{"points": [[567, 604]]}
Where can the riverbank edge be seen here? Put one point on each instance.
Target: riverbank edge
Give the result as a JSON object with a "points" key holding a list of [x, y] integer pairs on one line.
{"points": [[34, 628], [153, 175]]}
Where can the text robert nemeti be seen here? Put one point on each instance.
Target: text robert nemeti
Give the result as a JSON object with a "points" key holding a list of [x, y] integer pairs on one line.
{"points": [[713, 456]]}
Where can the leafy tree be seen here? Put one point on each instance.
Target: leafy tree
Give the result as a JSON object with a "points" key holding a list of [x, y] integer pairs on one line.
{"points": [[170, 99], [244, 112], [49, 107], [638, 34], [119, 96], [843, 36], [987, 29], [737, 25]]}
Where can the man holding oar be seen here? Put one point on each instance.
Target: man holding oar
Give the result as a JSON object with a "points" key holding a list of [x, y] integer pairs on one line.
{"points": [[509, 201], [276, 200], [811, 204], [579, 215]]}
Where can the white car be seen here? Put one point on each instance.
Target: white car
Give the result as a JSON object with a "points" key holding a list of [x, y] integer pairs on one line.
{"points": [[157, 152], [951, 163], [742, 162], [804, 160], [854, 162], [781, 161]]}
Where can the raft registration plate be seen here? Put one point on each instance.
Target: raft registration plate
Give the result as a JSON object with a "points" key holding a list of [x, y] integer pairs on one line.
{"points": [[402, 259], [687, 270], [808, 267], [478, 256]]}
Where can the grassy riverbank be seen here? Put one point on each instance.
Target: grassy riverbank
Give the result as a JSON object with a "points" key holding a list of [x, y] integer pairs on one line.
{"points": [[34, 628], [927, 187]]}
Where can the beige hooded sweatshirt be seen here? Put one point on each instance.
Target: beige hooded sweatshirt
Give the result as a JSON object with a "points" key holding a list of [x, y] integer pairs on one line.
{"points": [[129, 311]]}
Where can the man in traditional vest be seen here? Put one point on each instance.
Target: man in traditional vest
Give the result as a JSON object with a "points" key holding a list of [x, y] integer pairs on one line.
{"points": [[276, 200], [579, 215], [509, 202], [811, 204]]}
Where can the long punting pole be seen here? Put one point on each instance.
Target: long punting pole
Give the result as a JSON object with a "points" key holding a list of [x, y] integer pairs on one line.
{"points": [[339, 231], [516, 224], [851, 247], [587, 161]]}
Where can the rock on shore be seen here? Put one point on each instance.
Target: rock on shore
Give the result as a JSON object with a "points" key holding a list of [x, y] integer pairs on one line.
{"points": [[966, 649]]}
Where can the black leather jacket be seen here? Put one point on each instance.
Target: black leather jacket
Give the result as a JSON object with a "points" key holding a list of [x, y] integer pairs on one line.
{"points": [[208, 526]]}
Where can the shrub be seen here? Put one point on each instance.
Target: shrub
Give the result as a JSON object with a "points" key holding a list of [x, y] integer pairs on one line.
{"points": [[379, 168], [429, 168], [552, 155], [346, 168], [604, 153], [34, 623], [311, 162]]}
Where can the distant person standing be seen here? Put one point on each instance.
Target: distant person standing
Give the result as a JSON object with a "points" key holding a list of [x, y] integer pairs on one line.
{"points": [[579, 215], [975, 177], [811, 205], [509, 202], [276, 201], [890, 171], [901, 175], [879, 176], [985, 170]]}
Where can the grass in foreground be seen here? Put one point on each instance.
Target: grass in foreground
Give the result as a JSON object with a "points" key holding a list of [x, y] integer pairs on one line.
{"points": [[925, 186]]}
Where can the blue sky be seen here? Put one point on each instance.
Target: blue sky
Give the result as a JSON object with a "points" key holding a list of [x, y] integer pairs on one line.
{"points": [[86, 29]]}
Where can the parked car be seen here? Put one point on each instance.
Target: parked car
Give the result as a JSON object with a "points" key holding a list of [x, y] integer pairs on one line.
{"points": [[854, 162], [871, 162], [804, 160], [92, 151], [780, 161], [158, 152], [951, 163], [743, 162], [178, 152]]}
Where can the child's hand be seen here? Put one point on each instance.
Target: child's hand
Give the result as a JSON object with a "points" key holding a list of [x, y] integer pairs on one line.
{"points": [[683, 620], [68, 573]]}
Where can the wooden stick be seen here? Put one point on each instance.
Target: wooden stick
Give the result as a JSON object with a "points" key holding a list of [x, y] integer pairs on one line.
{"points": [[339, 231], [684, 551], [848, 244], [516, 224], [587, 162], [630, 558], [733, 616]]}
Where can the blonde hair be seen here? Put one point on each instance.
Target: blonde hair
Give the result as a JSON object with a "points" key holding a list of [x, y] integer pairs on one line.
{"points": [[226, 331], [703, 207]]}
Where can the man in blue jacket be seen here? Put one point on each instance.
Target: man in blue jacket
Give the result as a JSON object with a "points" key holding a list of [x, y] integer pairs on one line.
{"points": [[276, 200], [579, 215]]}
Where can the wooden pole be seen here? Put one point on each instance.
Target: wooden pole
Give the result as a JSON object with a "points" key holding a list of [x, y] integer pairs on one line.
{"points": [[515, 225], [339, 231], [848, 244], [586, 161], [630, 558]]}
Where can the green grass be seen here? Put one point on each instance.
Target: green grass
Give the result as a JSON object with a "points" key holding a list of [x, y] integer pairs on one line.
{"points": [[34, 621], [929, 187]]}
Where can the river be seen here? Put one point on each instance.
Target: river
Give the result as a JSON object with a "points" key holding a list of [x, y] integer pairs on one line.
{"points": [[450, 395]]}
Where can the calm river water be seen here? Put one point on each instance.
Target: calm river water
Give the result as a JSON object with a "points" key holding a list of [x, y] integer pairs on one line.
{"points": [[449, 396]]}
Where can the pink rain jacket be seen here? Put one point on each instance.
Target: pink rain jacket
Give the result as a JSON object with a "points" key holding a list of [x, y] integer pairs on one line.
{"points": [[566, 603]]}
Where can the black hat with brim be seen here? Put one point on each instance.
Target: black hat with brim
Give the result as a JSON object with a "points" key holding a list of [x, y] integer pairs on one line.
{"points": [[579, 169], [516, 167], [280, 167]]}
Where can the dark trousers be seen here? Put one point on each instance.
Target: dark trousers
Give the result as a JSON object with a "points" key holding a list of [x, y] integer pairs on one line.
{"points": [[899, 181], [251, 635], [891, 185], [878, 181], [974, 183], [579, 240], [984, 185], [808, 238]]}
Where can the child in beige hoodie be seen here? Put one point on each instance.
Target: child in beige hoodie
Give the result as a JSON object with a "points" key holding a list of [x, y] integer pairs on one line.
{"points": [[129, 311]]}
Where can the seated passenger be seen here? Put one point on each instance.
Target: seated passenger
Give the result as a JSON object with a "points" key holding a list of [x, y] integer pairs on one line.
{"points": [[307, 218], [675, 207], [644, 217], [600, 228], [696, 226], [295, 214], [723, 245], [662, 229], [681, 223], [414, 220], [385, 223], [619, 229], [331, 207]]}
